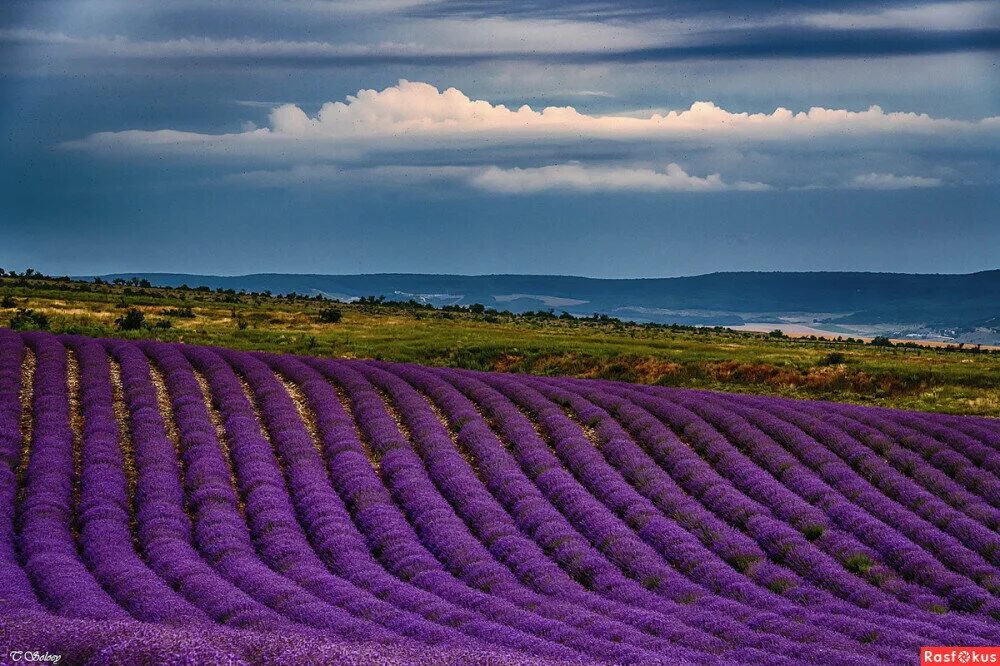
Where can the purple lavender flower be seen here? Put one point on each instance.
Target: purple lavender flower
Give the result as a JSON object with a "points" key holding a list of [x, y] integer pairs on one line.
{"points": [[169, 503]]}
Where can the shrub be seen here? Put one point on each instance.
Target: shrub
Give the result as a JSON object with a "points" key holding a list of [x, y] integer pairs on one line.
{"points": [[881, 341], [8, 302], [833, 358], [25, 320], [776, 333], [330, 315], [132, 320], [182, 313]]}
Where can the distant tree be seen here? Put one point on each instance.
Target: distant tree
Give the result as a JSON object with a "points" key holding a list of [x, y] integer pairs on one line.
{"points": [[98, 280], [132, 320], [25, 320], [881, 341], [776, 333], [330, 315], [477, 308]]}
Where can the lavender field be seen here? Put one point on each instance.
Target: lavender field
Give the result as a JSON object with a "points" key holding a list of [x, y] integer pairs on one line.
{"points": [[165, 503]]}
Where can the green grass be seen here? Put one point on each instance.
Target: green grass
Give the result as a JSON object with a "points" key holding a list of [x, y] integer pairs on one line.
{"points": [[925, 378]]}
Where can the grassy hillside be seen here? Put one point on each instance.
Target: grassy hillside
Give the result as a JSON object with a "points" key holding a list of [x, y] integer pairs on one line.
{"points": [[957, 380]]}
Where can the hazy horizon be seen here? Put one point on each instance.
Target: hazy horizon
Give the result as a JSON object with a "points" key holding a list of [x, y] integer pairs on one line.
{"points": [[541, 275]]}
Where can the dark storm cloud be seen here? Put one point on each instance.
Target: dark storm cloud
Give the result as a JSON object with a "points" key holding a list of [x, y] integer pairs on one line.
{"points": [[726, 45], [303, 33], [811, 43]]}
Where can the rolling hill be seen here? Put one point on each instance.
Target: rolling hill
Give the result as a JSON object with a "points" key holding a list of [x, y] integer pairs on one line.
{"points": [[955, 304]]}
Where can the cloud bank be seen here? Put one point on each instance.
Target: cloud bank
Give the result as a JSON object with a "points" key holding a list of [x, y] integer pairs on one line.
{"points": [[888, 181], [579, 178], [411, 112], [570, 177], [414, 131]]}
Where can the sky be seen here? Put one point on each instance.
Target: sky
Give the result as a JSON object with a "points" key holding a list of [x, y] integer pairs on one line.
{"points": [[634, 138]]}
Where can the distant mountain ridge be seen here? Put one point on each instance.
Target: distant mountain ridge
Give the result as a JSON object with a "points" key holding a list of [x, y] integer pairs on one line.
{"points": [[938, 300]]}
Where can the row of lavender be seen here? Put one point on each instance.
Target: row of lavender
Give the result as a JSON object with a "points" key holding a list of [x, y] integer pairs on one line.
{"points": [[238, 507]]}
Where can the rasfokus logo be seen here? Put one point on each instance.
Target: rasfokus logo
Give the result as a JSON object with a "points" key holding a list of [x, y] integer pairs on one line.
{"points": [[959, 655]]}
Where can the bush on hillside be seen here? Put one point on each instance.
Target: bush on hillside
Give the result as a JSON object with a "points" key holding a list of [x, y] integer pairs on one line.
{"points": [[132, 320], [330, 315], [833, 358], [29, 320], [182, 313]]}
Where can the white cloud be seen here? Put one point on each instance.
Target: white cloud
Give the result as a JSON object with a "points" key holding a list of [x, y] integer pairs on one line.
{"points": [[556, 177], [205, 47], [412, 114], [349, 6], [888, 181], [415, 38], [967, 15], [579, 178], [420, 108]]}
